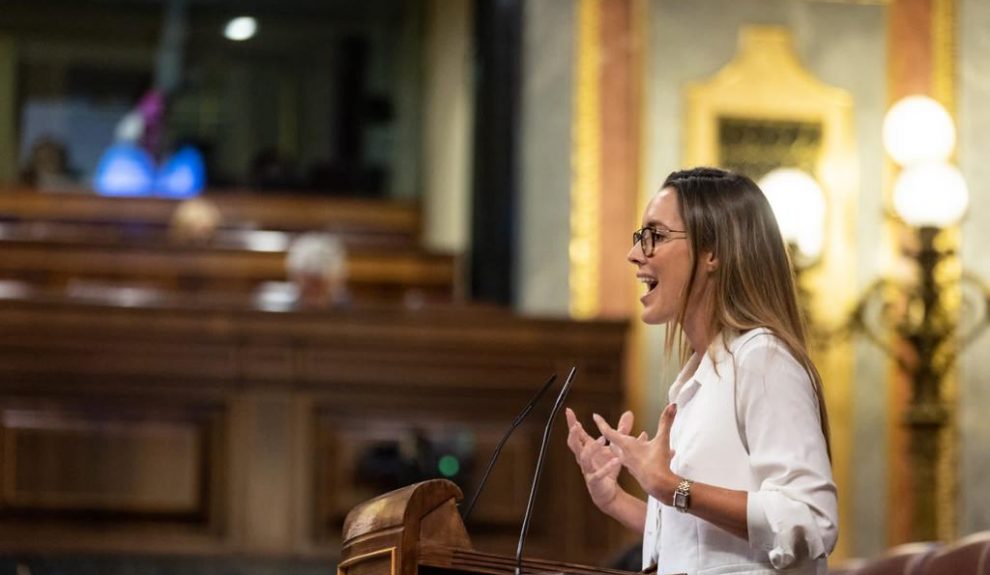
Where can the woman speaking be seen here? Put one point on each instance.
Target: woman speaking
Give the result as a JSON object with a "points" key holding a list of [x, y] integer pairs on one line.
{"points": [[738, 472]]}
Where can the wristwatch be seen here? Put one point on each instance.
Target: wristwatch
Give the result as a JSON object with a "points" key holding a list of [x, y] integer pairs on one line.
{"points": [[682, 495]]}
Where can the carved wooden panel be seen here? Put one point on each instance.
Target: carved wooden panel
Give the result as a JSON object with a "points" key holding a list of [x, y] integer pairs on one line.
{"points": [[113, 464], [295, 415]]}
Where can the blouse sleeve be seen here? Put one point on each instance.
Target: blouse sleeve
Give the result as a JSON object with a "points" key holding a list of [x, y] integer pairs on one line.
{"points": [[794, 514]]}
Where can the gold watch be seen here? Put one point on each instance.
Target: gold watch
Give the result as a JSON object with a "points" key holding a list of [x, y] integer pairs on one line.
{"points": [[682, 495]]}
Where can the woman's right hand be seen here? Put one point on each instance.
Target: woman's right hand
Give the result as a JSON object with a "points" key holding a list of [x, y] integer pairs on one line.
{"points": [[597, 460]]}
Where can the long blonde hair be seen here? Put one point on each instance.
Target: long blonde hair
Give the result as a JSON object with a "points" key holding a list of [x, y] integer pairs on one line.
{"points": [[727, 214]]}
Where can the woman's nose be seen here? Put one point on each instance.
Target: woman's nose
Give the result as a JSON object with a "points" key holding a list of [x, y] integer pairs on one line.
{"points": [[635, 255]]}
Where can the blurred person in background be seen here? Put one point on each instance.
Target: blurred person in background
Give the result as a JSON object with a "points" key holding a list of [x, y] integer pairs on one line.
{"points": [[48, 166], [194, 221], [317, 267]]}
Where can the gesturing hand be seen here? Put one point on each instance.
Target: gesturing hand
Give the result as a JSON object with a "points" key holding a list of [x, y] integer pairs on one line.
{"points": [[598, 462], [648, 460]]}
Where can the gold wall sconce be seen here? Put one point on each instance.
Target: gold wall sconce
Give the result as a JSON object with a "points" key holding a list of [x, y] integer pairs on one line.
{"points": [[921, 321]]}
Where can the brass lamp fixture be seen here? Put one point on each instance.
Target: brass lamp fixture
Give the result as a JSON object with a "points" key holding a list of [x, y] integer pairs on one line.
{"points": [[930, 197], [921, 322]]}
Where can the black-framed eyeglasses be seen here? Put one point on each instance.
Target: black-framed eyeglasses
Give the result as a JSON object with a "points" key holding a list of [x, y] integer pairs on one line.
{"points": [[649, 238]]}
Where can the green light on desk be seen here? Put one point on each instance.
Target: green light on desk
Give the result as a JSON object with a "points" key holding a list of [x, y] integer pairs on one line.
{"points": [[449, 466]]}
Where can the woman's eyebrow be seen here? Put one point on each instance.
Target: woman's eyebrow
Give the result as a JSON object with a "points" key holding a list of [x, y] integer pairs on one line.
{"points": [[657, 224]]}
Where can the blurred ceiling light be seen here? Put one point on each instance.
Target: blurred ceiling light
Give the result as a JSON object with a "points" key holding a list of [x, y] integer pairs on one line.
{"points": [[241, 28]]}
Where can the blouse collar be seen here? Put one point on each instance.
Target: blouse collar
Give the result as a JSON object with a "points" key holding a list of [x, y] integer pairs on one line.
{"points": [[702, 367]]}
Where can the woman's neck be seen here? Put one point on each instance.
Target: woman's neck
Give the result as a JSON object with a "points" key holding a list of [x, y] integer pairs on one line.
{"points": [[698, 327]]}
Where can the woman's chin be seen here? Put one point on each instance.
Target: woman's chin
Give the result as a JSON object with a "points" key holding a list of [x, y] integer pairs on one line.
{"points": [[651, 317]]}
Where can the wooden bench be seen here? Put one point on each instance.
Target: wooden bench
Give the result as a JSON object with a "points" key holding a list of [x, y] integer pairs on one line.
{"points": [[239, 210], [970, 555], [58, 240], [373, 273]]}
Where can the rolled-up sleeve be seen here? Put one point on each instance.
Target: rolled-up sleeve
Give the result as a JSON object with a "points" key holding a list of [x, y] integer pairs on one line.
{"points": [[794, 513]]}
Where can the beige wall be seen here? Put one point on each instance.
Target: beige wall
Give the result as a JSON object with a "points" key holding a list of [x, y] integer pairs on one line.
{"points": [[448, 107], [544, 202], [974, 146]]}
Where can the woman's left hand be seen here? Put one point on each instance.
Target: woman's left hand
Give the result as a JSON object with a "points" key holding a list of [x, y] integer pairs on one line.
{"points": [[648, 460]]}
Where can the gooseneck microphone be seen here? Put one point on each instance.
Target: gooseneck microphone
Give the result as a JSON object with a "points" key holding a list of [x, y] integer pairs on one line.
{"points": [[498, 448], [539, 467]]}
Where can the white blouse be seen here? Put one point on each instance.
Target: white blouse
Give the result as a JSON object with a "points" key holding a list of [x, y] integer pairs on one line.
{"points": [[747, 419]]}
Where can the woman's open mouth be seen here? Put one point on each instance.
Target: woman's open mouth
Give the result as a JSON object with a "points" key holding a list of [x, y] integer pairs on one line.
{"points": [[650, 283]]}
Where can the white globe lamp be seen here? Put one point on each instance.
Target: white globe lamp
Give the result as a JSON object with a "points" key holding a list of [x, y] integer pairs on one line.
{"points": [[799, 206], [918, 129], [931, 194]]}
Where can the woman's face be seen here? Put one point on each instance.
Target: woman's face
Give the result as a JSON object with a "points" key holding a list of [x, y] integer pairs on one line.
{"points": [[664, 274]]}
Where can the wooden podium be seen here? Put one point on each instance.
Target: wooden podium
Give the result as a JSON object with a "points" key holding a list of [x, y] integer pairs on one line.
{"points": [[417, 530]]}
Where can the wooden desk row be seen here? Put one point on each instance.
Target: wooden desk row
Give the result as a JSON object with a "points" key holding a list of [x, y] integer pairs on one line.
{"points": [[58, 240], [181, 428], [268, 211], [56, 256]]}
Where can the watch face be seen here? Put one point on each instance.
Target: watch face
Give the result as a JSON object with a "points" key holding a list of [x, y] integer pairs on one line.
{"points": [[680, 500]]}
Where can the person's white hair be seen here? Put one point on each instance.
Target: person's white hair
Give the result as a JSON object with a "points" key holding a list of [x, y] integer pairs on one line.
{"points": [[194, 220], [317, 254]]}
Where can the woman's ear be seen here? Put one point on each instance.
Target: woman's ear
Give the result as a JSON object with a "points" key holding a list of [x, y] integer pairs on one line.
{"points": [[710, 262]]}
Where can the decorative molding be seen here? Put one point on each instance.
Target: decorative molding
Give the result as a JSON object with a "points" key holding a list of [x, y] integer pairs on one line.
{"points": [[344, 567], [944, 37], [854, 2], [586, 165]]}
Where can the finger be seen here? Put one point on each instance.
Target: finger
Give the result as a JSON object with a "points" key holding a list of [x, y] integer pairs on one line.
{"points": [[571, 418], [587, 456], [604, 456], [574, 442], [666, 421], [643, 436], [600, 454], [603, 471], [579, 438], [626, 422], [608, 433]]}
